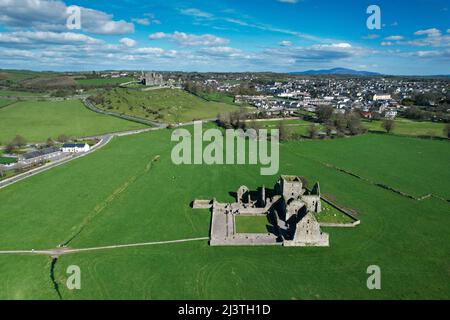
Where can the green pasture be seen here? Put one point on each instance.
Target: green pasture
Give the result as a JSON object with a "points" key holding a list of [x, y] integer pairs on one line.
{"points": [[39, 120], [131, 192], [409, 127], [163, 105]]}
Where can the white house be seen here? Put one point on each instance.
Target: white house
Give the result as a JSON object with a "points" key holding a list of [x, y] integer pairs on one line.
{"points": [[378, 97], [75, 147], [390, 114]]}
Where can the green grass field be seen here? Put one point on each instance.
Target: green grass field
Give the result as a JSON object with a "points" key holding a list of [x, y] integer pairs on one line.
{"points": [[293, 126], [131, 192], [16, 76], [11, 93], [251, 224], [164, 105], [409, 127], [219, 97], [39, 120], [104, 81], [330, 214], [5, 102], [414, 166], [7, 160]]}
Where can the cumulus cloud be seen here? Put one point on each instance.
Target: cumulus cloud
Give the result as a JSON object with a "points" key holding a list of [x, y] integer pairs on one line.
{"points": [[288, 1], [149, 18], [196, 13], [431, 54], [155, 52], [371, 36], [186, 39], [317, 53], [52, 16], [394, 38], [222, 52], [342, 45], [433, 32], [286, 43], [142, 21], [433, 38], [38, 38], [128, 42]]}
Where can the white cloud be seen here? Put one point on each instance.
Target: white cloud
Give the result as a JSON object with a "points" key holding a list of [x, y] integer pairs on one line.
{"points": [[128, 42], [286, 43], [433, 32], [196, 13], [334, 45], [431, 54], [186, 39], [50, 15], [433, 38], [288, 1], [148, 20], [37, 38], [222, 52], [142, 21], [154, 51], [371, 36], [394, 38], [318, 53]]}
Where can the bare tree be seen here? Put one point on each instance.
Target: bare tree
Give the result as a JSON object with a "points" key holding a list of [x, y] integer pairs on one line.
{"points": [[283, 132], [50, 142], [62, 138], [388, 125], [19, 141], [354, 124], [447, 130], [324, 113], [312, 131]]}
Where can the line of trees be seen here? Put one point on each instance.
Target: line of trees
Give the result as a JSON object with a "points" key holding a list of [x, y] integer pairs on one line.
{"points": [[19, 142], [15, 143], [447, 130], [343, 124], [416, 113], [200, 89]]}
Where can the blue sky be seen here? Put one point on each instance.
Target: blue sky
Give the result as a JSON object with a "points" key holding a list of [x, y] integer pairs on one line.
{"points": [[227, 35]]}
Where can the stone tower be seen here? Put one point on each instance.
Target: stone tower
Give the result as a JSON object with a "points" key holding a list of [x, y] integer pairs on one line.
{"points": [[291, 187]]}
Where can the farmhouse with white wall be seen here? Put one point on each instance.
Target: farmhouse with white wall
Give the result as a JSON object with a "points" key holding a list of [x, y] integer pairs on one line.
{"points": [[75, 147]]}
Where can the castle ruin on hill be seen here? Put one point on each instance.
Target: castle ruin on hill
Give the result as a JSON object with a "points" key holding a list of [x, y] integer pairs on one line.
{"points": [[152, 79], [290, 209]]}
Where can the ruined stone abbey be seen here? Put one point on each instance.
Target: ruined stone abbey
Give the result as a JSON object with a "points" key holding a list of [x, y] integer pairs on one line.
{"points": [[290, 208], [152, 79]]}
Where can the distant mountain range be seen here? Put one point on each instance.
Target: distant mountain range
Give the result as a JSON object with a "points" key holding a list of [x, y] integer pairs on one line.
{"points": [[339, 71]]}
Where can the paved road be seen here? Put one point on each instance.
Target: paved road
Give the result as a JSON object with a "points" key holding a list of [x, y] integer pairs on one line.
{"points": [[61, 251]]}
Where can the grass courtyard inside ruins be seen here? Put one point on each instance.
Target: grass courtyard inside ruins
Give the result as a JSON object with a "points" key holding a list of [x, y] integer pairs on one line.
{"points": [[130, 192], [248, 224]]}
